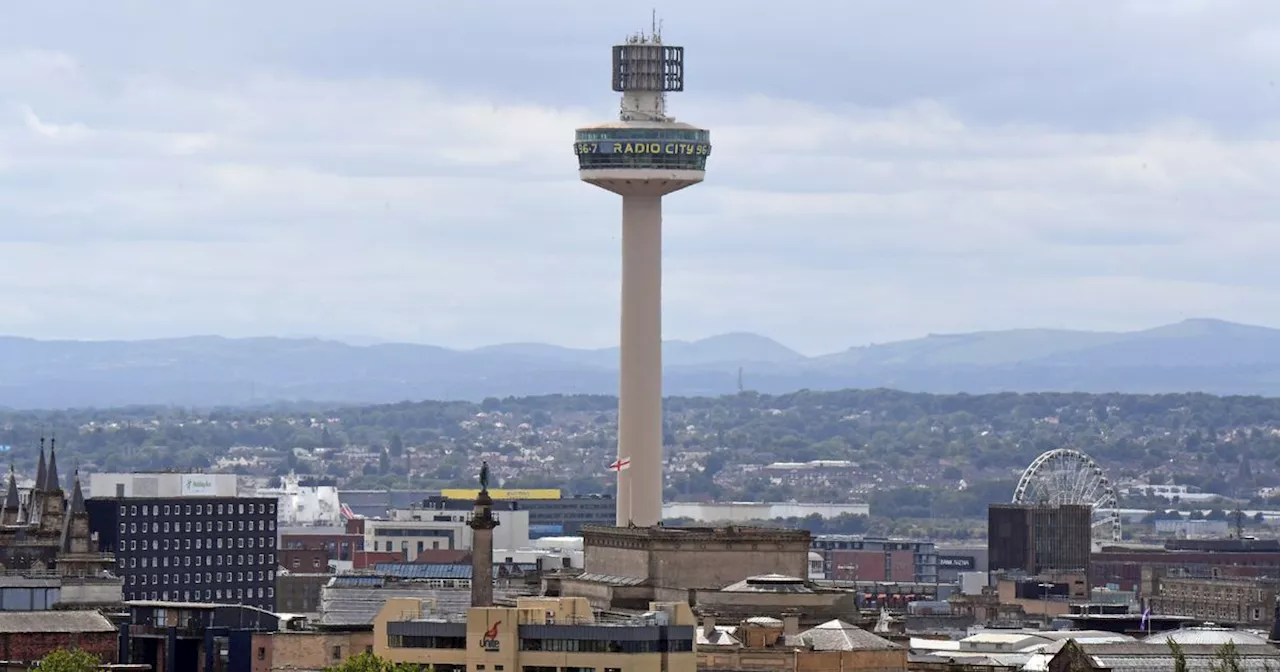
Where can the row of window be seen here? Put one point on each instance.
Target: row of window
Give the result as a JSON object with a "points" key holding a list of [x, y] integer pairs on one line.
{"points": [[404, 546], [601, 646], [200, 560], [199, 509], [197, 577], [200, 544], [675, 134], [209, 594], [263, 526], [614, 161]]}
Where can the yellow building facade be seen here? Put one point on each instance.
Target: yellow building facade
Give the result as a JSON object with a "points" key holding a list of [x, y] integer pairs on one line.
{"points": [[537, 635]]}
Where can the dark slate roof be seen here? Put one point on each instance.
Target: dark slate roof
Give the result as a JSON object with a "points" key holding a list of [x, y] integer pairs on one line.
{"points": [[51, 482], [40, 468], [54, 621], [11, 501]]}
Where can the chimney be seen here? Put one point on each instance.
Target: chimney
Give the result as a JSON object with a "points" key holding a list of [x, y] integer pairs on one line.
{"points": [[790, 624], [709, 625]]}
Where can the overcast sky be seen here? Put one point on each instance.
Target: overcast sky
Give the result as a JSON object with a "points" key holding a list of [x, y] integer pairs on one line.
{"points": [[404, 169]]}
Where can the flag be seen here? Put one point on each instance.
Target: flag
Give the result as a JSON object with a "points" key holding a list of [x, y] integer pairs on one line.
{"points": [[1146, 619], [620, 464]]}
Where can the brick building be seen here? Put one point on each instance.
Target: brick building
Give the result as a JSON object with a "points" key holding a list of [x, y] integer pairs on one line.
{"points": [[31, 635], [309, 649], [1124, 567], [1241, 602], [849, 557]]}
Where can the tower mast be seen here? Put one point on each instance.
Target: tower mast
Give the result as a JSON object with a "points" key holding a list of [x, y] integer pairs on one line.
{"points": [[642, 157]]}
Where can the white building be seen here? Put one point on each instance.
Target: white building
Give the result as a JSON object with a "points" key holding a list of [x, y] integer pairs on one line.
{"points": [[1192, 529], [166, 484], [413, 531], [305, 505]]}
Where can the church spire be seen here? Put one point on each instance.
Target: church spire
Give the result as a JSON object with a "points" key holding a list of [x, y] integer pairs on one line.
{"points": [[11, 501], [51, 483], [40, 468]]}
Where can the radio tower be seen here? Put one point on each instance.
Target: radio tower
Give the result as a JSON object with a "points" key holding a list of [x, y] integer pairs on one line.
{"points": [[642, 157]]}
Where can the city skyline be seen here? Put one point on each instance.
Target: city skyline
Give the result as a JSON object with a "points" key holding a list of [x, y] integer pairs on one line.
{"points": [[877, 176]]}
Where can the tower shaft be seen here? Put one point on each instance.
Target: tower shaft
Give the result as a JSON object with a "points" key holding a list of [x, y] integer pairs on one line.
{"points": [[640, 370]]}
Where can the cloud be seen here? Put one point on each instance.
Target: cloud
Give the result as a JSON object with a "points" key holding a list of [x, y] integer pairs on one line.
{"points": [[995, 167]]}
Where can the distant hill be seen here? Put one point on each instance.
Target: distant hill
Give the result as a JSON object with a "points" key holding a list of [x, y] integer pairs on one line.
{"points": [[1195, 355]]}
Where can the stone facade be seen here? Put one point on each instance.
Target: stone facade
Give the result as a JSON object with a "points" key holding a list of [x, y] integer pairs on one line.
{"points": [[694, 558], [1244, 603], [47, 530], [308, 650]]}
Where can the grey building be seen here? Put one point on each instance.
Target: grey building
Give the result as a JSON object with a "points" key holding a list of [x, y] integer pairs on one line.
{"points": [[191, 549]]}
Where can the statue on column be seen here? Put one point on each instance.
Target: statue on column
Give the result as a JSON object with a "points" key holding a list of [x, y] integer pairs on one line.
{"points": [[484, 476]]}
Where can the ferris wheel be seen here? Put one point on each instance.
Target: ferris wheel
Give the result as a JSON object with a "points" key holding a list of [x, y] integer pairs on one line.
{"points": [[1067, 476]]}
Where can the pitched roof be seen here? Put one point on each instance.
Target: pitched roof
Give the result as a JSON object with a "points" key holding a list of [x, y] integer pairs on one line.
{"points": [[11, 501], [836, 635], [54, 621], [51, 483], [40, 467], [76, 506]]}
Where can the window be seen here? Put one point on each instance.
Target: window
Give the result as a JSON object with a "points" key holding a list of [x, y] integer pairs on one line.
{"points": [[337, 653], [262, 653], [133, 510], [166, 509], [199, 509]]}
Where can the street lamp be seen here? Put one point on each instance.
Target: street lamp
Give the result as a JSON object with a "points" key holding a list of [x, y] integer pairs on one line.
{"points": [[1046, 587]]}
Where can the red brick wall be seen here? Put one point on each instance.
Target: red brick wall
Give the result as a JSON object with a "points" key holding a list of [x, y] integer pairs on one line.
{"points": [[903, 564], [36, 645], [309, 560], [367, 559], [858, 565]]}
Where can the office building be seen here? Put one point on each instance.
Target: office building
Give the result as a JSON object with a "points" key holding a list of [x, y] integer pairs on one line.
{"points": [[537, 635], [414, 531], [550, 515], [1038, 539], [848, 557], [191, 549]]}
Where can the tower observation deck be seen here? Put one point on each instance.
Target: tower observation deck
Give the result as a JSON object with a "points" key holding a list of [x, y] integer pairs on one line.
{"points": [[642, 157]]}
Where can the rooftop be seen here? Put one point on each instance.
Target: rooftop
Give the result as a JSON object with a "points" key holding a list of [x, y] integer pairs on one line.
{"points": [[54, 621], [769, 583], [836, 635]]}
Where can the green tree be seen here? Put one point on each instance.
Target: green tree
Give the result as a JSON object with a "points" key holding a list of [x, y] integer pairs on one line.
{"points": [[396, 445], [1179, 658], [1228, 659], [367, 662], [63, 660]]}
